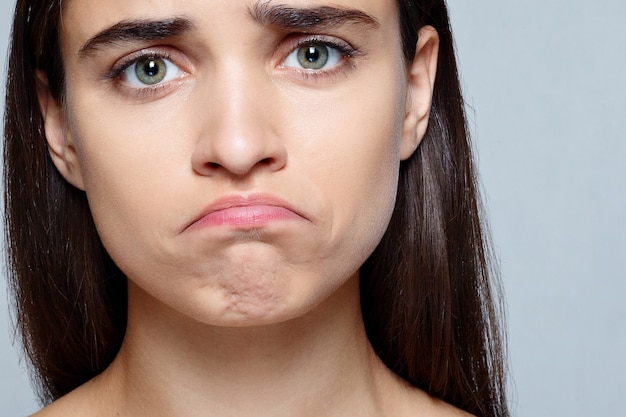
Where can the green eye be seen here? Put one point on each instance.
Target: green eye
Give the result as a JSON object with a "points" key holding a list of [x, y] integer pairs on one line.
{"points": [[313, 56], [150, 70], [316, 56]]}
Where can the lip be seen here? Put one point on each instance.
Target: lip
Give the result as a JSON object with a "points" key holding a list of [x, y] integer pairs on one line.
{"points": [[245, 212]]}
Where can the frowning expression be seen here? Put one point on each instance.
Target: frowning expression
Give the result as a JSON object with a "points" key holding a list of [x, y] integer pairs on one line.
{"points": [[240, 158]]}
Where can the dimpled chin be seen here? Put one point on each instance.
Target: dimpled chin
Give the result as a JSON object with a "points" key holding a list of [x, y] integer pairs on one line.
{"points": [[251, 285]]}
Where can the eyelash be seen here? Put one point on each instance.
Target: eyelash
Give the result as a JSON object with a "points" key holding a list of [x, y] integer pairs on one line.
{"points": [[122, 66], [346, 51], [116, 73]]}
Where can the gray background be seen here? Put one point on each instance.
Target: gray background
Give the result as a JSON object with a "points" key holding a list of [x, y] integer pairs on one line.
{"points": [[545, 84]]}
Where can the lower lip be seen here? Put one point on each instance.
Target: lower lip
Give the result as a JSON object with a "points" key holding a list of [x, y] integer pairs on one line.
{"points": [[246, 216]]}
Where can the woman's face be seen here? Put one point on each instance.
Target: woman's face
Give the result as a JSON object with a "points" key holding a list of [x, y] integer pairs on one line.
{"points": [[240, 158]]}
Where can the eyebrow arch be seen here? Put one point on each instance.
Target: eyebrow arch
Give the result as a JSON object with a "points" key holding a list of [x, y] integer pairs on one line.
{"points": [[136, 30], [285, 17]]}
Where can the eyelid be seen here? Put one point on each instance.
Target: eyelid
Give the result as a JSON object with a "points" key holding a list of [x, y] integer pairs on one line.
{"points": [[170, 54], [345, 49]]}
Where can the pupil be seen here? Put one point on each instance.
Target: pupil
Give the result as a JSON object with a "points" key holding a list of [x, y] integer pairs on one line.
{"points": [[151, 68], [312, 54]]}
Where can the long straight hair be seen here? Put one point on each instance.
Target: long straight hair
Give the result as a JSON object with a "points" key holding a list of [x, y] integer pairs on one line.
{"points": [[431, 304]]}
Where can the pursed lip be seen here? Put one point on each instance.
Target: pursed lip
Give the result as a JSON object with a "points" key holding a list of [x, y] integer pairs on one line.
{"points": [[245, 211]]}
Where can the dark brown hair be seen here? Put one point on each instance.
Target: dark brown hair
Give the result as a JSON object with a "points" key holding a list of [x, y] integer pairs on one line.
{"points": [[430, 301]]}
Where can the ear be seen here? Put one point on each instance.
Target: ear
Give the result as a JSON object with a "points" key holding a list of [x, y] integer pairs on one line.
{"points": [[60, 145], [421, 82]]}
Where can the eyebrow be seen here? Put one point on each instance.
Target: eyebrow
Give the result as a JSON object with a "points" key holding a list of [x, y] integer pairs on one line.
{"points": [[285, 17], [280, 16], [136, 30]]}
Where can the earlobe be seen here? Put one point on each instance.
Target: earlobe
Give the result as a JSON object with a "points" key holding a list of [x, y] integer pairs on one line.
{"points": [[60, 146], [421, 84]]}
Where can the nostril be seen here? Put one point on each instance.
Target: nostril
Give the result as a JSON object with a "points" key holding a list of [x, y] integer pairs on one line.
{"points": [[237, 157]]}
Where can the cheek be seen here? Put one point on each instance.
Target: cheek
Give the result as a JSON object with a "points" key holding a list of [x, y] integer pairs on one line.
{"points": [[131, 168], [352, 149]]}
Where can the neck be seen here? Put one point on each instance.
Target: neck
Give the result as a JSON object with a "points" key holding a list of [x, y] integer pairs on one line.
{"points": [[318, 364]]}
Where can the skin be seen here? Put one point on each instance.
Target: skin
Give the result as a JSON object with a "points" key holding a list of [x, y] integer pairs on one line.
{"points": [[254, 317]]}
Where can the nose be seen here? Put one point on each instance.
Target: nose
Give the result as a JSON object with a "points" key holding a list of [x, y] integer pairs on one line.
{"points": [[238, 134]]}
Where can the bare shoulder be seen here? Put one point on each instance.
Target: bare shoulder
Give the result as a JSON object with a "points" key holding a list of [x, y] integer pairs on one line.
{"points": [[410, 401], [78, 403], [64, 407], [402, 399], [438, 408], [54, 410], [423, 404]]}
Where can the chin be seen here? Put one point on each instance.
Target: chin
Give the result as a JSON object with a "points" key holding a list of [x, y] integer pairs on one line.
{"points": [[236, 306], [262, 305]]}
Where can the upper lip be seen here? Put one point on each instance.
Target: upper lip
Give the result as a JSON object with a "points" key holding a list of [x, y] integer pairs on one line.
{"points": [[236, 200]]}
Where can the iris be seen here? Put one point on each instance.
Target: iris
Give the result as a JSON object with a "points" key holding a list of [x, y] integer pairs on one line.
{"points": [[313, 56], [150, 70]]}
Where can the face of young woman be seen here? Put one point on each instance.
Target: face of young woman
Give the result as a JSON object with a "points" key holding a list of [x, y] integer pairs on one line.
{"points": [[240, 158]]}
